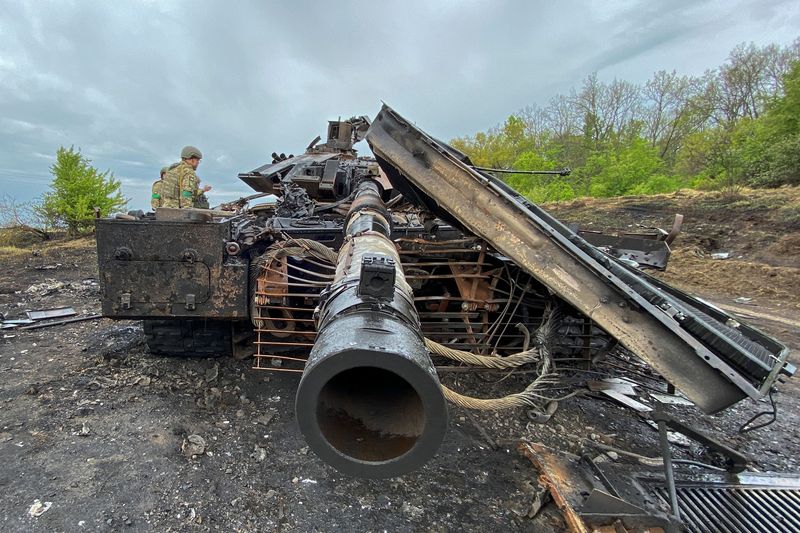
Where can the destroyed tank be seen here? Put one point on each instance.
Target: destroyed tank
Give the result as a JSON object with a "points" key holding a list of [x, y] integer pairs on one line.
{"points": [[363, 266]]}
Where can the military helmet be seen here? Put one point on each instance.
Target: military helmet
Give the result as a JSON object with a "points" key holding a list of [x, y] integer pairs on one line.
{"points": [[164, 170], [189, 152]]}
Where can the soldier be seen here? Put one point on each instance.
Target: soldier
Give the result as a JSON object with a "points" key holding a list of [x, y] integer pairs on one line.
{"points": [[181, 184], [155, 199]]}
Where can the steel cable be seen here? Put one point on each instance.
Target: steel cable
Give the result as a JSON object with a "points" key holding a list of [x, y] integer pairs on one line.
{"points": [[528, 397]]}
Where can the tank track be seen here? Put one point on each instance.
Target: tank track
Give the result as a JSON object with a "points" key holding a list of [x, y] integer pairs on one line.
{"points": [[189, 338]]}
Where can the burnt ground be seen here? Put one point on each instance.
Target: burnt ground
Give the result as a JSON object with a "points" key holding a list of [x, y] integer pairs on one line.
{"points": [[94, 424]]}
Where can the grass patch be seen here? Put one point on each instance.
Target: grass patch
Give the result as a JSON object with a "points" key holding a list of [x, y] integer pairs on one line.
{"points": [[20, 236], [12, 251], [86, 241], [789, 214], [19, 240]]}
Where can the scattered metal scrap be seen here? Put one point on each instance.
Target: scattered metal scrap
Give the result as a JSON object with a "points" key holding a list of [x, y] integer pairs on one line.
{"points": [[14, 323], [595, 495], [62, 322], [51, 313], [620, 390], [644, 249], [670, 399], [627, 401], [34, 318], [735, 461], [585, 502]]}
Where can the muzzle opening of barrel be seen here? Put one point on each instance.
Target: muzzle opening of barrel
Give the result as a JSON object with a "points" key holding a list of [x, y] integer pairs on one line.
{"points": [[370, 414]]}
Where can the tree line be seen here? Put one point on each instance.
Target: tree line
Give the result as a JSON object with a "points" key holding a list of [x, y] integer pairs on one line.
{"points": [[736, 125]]}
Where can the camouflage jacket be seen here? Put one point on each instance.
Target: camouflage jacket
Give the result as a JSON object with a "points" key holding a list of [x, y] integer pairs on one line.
{"points": [[169, 192], [180, 187], [155, 198]]}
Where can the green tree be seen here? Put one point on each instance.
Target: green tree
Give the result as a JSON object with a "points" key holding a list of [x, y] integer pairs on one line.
{"points": [[499, 147], [783, 158], [633, 168], [768, 145], [783, 114], [77, 189], [736, 125]]}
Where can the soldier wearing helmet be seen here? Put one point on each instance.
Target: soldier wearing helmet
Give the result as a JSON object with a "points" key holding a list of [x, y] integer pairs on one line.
{"points": [[155, 198], [181, 186]]}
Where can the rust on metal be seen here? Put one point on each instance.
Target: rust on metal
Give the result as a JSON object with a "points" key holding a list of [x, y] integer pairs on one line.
{"points": [[553, 477]]}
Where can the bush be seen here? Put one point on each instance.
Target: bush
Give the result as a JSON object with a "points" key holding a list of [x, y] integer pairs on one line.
{"points": [[20, 222], [658, 185], [77, 189], [559, 191], [783, 166], [618, 172], [14, 213], [704, 181]]}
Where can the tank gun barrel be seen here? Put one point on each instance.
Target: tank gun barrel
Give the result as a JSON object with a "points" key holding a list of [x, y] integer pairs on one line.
{"points": [[369, 402], [563, 172]]}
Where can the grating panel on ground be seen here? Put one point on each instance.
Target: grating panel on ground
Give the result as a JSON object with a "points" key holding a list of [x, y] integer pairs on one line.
{"points": [[738, 509]]}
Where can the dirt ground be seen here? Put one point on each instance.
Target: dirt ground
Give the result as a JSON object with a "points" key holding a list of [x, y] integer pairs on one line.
{"points": [[94, 424], [759, 229]]}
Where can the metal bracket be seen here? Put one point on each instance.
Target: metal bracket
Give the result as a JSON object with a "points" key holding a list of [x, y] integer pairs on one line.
{"points": [[735, 461], [377, 277], [190, 255], [190, 302], [125, 300], [123, 253]]}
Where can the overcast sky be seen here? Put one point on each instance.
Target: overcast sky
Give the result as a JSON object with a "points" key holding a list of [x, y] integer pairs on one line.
{"points": [[130, 83]]}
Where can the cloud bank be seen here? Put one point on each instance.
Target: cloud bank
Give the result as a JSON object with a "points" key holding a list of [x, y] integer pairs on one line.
{"points": [[130, 83]]}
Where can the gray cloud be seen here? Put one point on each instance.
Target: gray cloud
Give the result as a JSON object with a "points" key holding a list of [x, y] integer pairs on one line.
{"points": [[131, 82]]}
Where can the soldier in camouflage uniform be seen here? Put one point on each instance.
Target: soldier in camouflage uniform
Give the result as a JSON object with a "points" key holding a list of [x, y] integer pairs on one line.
{"points": [[181, 187], [155, 199]]}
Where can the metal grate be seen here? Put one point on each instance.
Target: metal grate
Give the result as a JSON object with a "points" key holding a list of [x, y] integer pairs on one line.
{"points": [[737, 509], [286, 331], [477, 305]]}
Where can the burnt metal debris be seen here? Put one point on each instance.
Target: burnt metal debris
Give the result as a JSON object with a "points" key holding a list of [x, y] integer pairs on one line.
{"points": [[362, 257], [595, 493], [59, 312], [62, 322], [44, 318], [643, 249]]}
